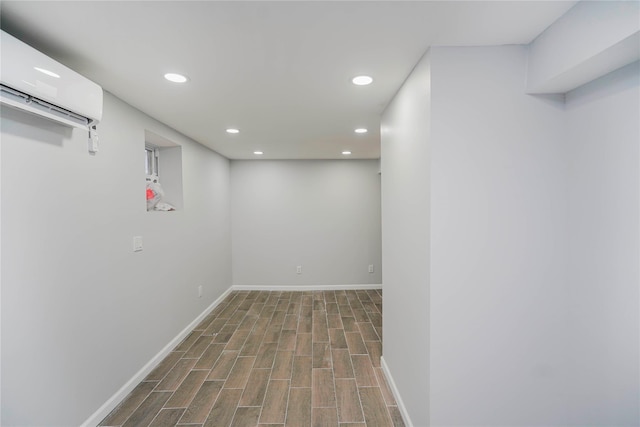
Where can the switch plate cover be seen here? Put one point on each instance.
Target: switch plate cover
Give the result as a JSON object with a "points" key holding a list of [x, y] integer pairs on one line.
{"points": [[137, 243]]}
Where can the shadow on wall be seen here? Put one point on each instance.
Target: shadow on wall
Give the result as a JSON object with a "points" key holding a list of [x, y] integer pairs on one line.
{"points": [[33, 127], [551, 99]]}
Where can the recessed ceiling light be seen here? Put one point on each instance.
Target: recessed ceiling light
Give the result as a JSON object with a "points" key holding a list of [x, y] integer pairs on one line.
{"points": [[176, 78], [258, 153], [47, 72], [346, 153], [360, 130], [232, 130], [362, 80]]}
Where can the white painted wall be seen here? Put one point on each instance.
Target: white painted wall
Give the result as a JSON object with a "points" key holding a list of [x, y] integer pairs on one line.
{"points": [[592, 39], [604, 278], [497, 243], [511, 240], [406, 234], [322, 215], [81, 312], [1, 406]]}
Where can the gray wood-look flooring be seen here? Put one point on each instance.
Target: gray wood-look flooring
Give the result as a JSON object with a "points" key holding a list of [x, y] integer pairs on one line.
{"points": [[263, 358]]}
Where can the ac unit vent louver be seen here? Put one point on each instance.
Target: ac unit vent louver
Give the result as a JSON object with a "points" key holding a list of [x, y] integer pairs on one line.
{"points": [[31, 81]]}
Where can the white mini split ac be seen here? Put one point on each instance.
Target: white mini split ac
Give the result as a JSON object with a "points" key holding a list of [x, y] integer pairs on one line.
{"points": [[33, 82]]}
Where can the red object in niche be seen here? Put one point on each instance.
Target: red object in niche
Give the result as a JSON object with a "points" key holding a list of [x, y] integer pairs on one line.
{"points": [[150, 194]]}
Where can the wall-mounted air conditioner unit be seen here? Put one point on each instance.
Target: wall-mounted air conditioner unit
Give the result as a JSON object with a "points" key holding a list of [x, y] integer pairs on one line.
{"points": [[33, 82]]}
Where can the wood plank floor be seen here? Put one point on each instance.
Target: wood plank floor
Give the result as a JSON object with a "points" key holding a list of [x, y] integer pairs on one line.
{"points": [[289, 359]]}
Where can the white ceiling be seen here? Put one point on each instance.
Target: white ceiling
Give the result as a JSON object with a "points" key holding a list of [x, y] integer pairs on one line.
{"points": [[278, 71]]}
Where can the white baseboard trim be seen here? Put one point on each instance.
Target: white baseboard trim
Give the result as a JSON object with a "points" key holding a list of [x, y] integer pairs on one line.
{"points": [[303, 287], [396, 393], [114, 400]]}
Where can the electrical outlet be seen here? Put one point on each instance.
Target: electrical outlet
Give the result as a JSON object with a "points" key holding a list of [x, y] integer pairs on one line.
{"points": [[370, 268], [299, 269], [200, 291]]}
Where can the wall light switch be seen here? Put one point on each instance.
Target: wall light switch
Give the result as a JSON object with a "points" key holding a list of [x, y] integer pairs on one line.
{"points": [[137, 243], [200, 291], [370, 268], [299, 269]]}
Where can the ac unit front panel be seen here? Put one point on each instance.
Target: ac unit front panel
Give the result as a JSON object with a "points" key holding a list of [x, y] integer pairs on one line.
{"points": [[29, 71]]}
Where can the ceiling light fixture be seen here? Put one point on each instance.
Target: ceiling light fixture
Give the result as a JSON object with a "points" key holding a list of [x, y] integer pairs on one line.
{"points": [[258, 153], [47, 72], [176, 78], [346, 153], [362, 80], [232, 130], [360, 130]]}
